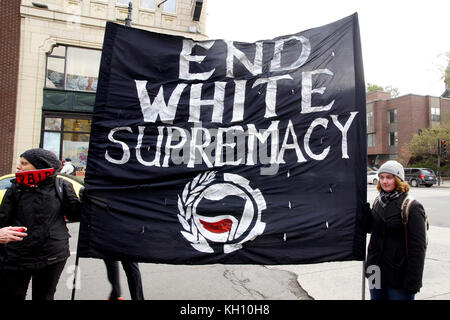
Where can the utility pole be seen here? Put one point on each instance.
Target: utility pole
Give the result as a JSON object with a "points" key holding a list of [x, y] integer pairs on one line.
{"points": [[128, 18], [439, 162]]}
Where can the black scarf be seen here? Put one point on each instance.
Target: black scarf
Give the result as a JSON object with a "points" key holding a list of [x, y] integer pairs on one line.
{"points": [[386, 197]]}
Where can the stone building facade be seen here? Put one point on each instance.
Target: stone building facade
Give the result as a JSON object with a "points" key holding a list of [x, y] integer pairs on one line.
{"points": [[52, 59]]}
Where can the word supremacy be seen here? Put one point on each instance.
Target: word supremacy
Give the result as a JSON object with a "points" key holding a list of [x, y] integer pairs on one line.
{"points": [[236, 141]]}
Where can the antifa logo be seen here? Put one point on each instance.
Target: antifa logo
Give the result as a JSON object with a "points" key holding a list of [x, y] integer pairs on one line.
{"points": [[217, 210]]}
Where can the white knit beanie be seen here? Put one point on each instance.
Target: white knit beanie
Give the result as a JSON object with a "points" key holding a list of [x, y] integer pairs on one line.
{"points": [[393, 167]]}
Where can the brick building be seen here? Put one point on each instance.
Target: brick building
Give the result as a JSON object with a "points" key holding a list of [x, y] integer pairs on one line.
{"points": [[9, 67], [392, 122], [50, 56]]}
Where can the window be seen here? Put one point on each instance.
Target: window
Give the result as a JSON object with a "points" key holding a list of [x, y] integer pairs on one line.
{"points": [[427, 171], [72, 68], [393, 138], [392, 117], [123, 2], [170, 6], [148, 4], [369, 119], [68, 137], [371, 140], [436, 114]]}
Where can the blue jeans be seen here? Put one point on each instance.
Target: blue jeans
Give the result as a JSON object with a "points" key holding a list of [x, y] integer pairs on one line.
{"points": [[390, 294]]}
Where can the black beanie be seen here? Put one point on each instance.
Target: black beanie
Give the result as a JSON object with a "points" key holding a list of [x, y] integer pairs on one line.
{"points": [[41, 158]]}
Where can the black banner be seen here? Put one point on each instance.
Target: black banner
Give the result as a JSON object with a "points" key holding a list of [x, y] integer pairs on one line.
{"points": [[227, 152]]}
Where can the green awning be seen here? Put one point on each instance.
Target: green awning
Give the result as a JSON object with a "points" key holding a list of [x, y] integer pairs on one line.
{"points": [[68, 101]]}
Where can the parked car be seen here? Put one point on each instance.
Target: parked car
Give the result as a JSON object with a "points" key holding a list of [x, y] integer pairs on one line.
{"points": [[5, 183], [420, 176], [372, 177]]}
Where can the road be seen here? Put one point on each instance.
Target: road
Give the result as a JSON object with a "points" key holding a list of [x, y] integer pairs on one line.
{"points": [[253, 282]]}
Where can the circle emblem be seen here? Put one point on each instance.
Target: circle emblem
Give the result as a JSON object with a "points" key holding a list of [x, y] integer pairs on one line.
{"points": [[221, 210]]}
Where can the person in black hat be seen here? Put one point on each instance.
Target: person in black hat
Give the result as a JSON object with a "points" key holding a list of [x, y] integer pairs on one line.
{"points": [[40, 159], [42, 253]]}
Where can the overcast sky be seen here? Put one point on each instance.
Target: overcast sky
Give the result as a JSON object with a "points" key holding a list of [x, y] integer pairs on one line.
{"points": [[403, 42]]}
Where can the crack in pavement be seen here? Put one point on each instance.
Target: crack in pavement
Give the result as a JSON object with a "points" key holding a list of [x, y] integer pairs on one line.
{"points": [[241, 283], [260, 282]]}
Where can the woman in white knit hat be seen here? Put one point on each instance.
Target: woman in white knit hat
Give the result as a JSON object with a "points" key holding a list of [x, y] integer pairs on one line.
{"points": [[396, 253]]}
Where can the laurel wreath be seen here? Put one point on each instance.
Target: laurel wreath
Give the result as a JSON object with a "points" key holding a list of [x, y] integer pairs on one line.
{"points": [[185, 203]]}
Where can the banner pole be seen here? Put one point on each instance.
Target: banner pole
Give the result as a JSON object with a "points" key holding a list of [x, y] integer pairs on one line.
{"points": [[75, 274], [363, 295]]}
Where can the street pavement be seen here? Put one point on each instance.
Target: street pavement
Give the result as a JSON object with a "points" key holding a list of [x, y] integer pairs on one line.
{"points": [[324, 281], [343, 280]]}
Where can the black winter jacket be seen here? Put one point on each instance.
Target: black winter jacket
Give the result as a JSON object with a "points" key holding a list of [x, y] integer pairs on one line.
{"points": [[387, 246], [42, 212]]}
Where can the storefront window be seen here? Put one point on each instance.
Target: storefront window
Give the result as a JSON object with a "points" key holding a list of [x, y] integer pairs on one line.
{"points": [[75, 147], [148, 4], [170, 6], [82, 69], [55, 73], [68, 137], [52, 142], [52, 124], [72, 68], [77, 125]]}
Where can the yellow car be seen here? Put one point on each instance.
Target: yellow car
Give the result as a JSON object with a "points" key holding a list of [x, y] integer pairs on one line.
{"points": [[5, 183]]}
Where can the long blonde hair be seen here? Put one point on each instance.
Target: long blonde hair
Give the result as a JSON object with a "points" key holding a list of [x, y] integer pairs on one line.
{"points": [[400, 186]]}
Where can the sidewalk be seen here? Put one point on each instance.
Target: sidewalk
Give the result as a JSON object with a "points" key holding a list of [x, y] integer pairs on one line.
{"points": [[180, 282], [343, 280], [445, 183], [324, 281]]}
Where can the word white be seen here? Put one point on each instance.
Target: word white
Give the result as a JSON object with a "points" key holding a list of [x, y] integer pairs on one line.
{"points": [[167, 111]]}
